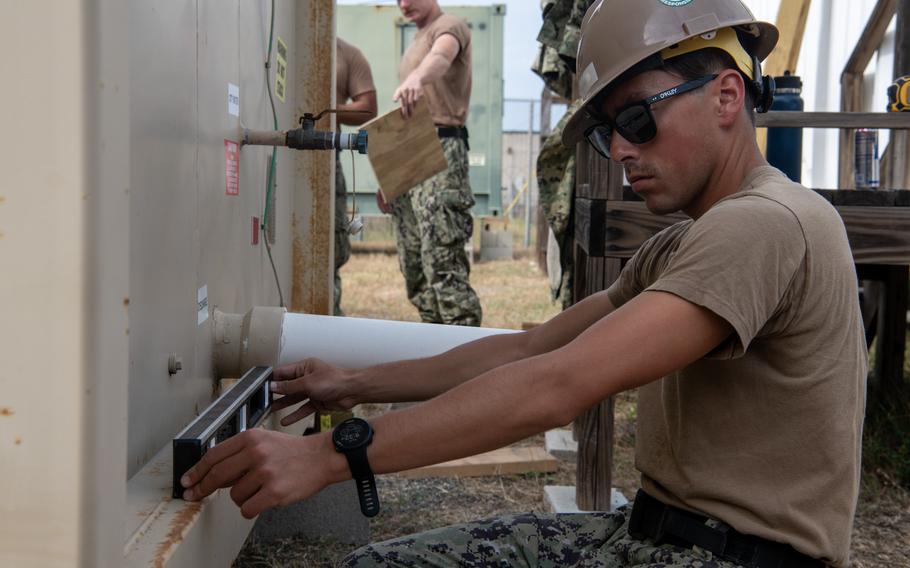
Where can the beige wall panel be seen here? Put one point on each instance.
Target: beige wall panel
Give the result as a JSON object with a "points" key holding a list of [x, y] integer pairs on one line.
{"points": [[42, 222], [63, 220], [164, 216]]}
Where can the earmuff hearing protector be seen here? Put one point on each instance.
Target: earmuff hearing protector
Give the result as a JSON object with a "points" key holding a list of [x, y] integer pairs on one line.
{"points": [[764, 87]]}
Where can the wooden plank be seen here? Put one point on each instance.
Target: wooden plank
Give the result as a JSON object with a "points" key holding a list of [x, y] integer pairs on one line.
{"points": [[872, 36], [791, 21], [404, 153], [791, 119], [877, 235], [883, 197], [629, 224], [590, 225], [510, 460]]}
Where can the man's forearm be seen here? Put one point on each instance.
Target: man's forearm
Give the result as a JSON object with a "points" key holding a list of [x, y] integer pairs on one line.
{"points": [[422, 379], [433, 66], [358, 111]]}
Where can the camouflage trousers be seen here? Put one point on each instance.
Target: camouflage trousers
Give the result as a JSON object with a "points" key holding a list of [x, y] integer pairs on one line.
{"points": [[342, 239], [533, 540], [433, 224]]}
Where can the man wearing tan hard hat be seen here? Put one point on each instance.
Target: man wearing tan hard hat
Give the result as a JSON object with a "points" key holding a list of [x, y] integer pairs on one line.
{"points": [[740, 327]]}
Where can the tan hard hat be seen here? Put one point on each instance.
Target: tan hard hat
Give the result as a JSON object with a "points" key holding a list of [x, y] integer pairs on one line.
{"points": [[618, 34]]}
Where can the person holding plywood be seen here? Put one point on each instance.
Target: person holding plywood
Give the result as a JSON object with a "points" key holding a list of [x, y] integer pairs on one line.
{"points": [[433, 221], [739, 326], [355, 99]]}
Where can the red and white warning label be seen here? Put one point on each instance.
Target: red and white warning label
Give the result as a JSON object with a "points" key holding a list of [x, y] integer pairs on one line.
{"points": [[231, 168]]}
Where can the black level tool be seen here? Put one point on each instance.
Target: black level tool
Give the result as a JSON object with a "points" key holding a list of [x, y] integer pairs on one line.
{"points": [[243, 406]]}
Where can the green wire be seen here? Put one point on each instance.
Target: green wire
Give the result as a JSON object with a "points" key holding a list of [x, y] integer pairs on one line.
{"points": [[270, 182]]}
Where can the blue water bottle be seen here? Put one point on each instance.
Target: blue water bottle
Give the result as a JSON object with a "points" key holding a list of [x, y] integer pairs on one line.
{"points": [[785, 145]]}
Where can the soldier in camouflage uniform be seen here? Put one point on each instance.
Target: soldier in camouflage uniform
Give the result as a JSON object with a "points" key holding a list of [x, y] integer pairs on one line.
{"points": [[433, 220], [355, 99], [556, 180], [582, 540], [433, 223]]}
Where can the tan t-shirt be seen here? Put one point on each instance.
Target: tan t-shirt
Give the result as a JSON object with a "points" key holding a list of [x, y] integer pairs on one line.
{"points": [[765, 432], [352, 73], [449, 96]]}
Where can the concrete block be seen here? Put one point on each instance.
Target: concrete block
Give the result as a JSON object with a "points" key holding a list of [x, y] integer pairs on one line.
{"points": [[334, 512], [560, 445], [561, 499], [495, 240]]}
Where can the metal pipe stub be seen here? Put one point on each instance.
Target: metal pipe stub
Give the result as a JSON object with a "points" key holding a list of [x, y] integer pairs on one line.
{"points": [[246, 340]]}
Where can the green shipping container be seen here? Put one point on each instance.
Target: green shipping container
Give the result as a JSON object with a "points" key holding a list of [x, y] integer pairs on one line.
{"points": [[382, 34]]}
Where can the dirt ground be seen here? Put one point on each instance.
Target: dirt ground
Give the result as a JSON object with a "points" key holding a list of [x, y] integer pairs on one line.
{"points": [[513, 293]]}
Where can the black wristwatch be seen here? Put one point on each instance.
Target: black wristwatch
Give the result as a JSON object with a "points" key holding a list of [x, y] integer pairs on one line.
{"points": [[351, 438]]}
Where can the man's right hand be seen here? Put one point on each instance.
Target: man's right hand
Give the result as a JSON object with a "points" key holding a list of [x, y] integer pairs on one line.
{"points": [[323, 386], [382, 204]]}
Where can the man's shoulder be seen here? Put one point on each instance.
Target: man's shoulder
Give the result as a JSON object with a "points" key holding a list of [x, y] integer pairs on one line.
{"points": [[449, 23], [769, 194]]}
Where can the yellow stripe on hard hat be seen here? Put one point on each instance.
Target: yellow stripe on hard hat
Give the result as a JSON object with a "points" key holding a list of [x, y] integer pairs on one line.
{"points": [[724, 38]]}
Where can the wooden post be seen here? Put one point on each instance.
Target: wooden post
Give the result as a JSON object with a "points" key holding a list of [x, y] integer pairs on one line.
{"points": [[852, 82], [598, 179], [791, 21]]}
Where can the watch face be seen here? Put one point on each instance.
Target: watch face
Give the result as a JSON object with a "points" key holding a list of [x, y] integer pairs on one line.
{"points": [[351, 433]]}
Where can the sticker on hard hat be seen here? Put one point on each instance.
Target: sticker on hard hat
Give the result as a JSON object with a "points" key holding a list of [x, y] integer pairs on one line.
{"points": [[675, 3], [587, 79]]}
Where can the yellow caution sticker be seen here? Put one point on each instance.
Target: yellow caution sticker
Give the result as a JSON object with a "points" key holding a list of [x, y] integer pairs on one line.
{"points": [[281, 69]]}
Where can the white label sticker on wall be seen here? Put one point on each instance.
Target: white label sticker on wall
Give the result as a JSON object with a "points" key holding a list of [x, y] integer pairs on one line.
{"points": [[233, 99], [202, 305], [477, 160]]}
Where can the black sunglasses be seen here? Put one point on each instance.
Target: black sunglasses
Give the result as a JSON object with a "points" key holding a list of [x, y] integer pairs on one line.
{"points": [[635, 122]]}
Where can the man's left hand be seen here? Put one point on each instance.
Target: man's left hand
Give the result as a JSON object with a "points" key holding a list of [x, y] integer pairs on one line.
{"points": [[264, 469]]}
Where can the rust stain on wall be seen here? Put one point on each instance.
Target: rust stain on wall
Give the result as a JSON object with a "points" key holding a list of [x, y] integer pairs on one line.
{"points": [[18, 440], [311, 291], [178, 530], [6, 411]]}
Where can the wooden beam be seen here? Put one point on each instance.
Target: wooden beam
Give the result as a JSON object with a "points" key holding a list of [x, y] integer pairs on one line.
{"points": [[878, 235], [791, 21], [883, 120], [510, 460]]}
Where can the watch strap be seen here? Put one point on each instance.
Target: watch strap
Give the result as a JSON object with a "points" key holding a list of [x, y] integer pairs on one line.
{"points": [[364, 481]]}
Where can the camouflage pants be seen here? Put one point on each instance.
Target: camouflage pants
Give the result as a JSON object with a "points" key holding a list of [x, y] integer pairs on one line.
{"points": [[433, 224], [342, 239], [531, 540]]}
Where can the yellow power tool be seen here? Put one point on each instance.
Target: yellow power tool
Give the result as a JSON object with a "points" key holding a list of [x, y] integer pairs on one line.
{"points": [[899, 95]]}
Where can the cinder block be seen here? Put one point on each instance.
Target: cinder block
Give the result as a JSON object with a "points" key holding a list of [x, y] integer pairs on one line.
{"points": [[561, 499], [334, 512], [560, 445]]}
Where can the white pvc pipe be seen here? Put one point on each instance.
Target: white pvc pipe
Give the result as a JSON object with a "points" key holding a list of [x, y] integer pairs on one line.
{"points": [[357, 342]]}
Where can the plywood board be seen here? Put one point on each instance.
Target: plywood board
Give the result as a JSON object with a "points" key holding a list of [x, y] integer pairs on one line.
{"points": [[502, 461], [404, 152]]}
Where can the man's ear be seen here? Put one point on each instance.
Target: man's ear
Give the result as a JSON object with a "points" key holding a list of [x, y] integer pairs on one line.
{"points": [[732, 95]]}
